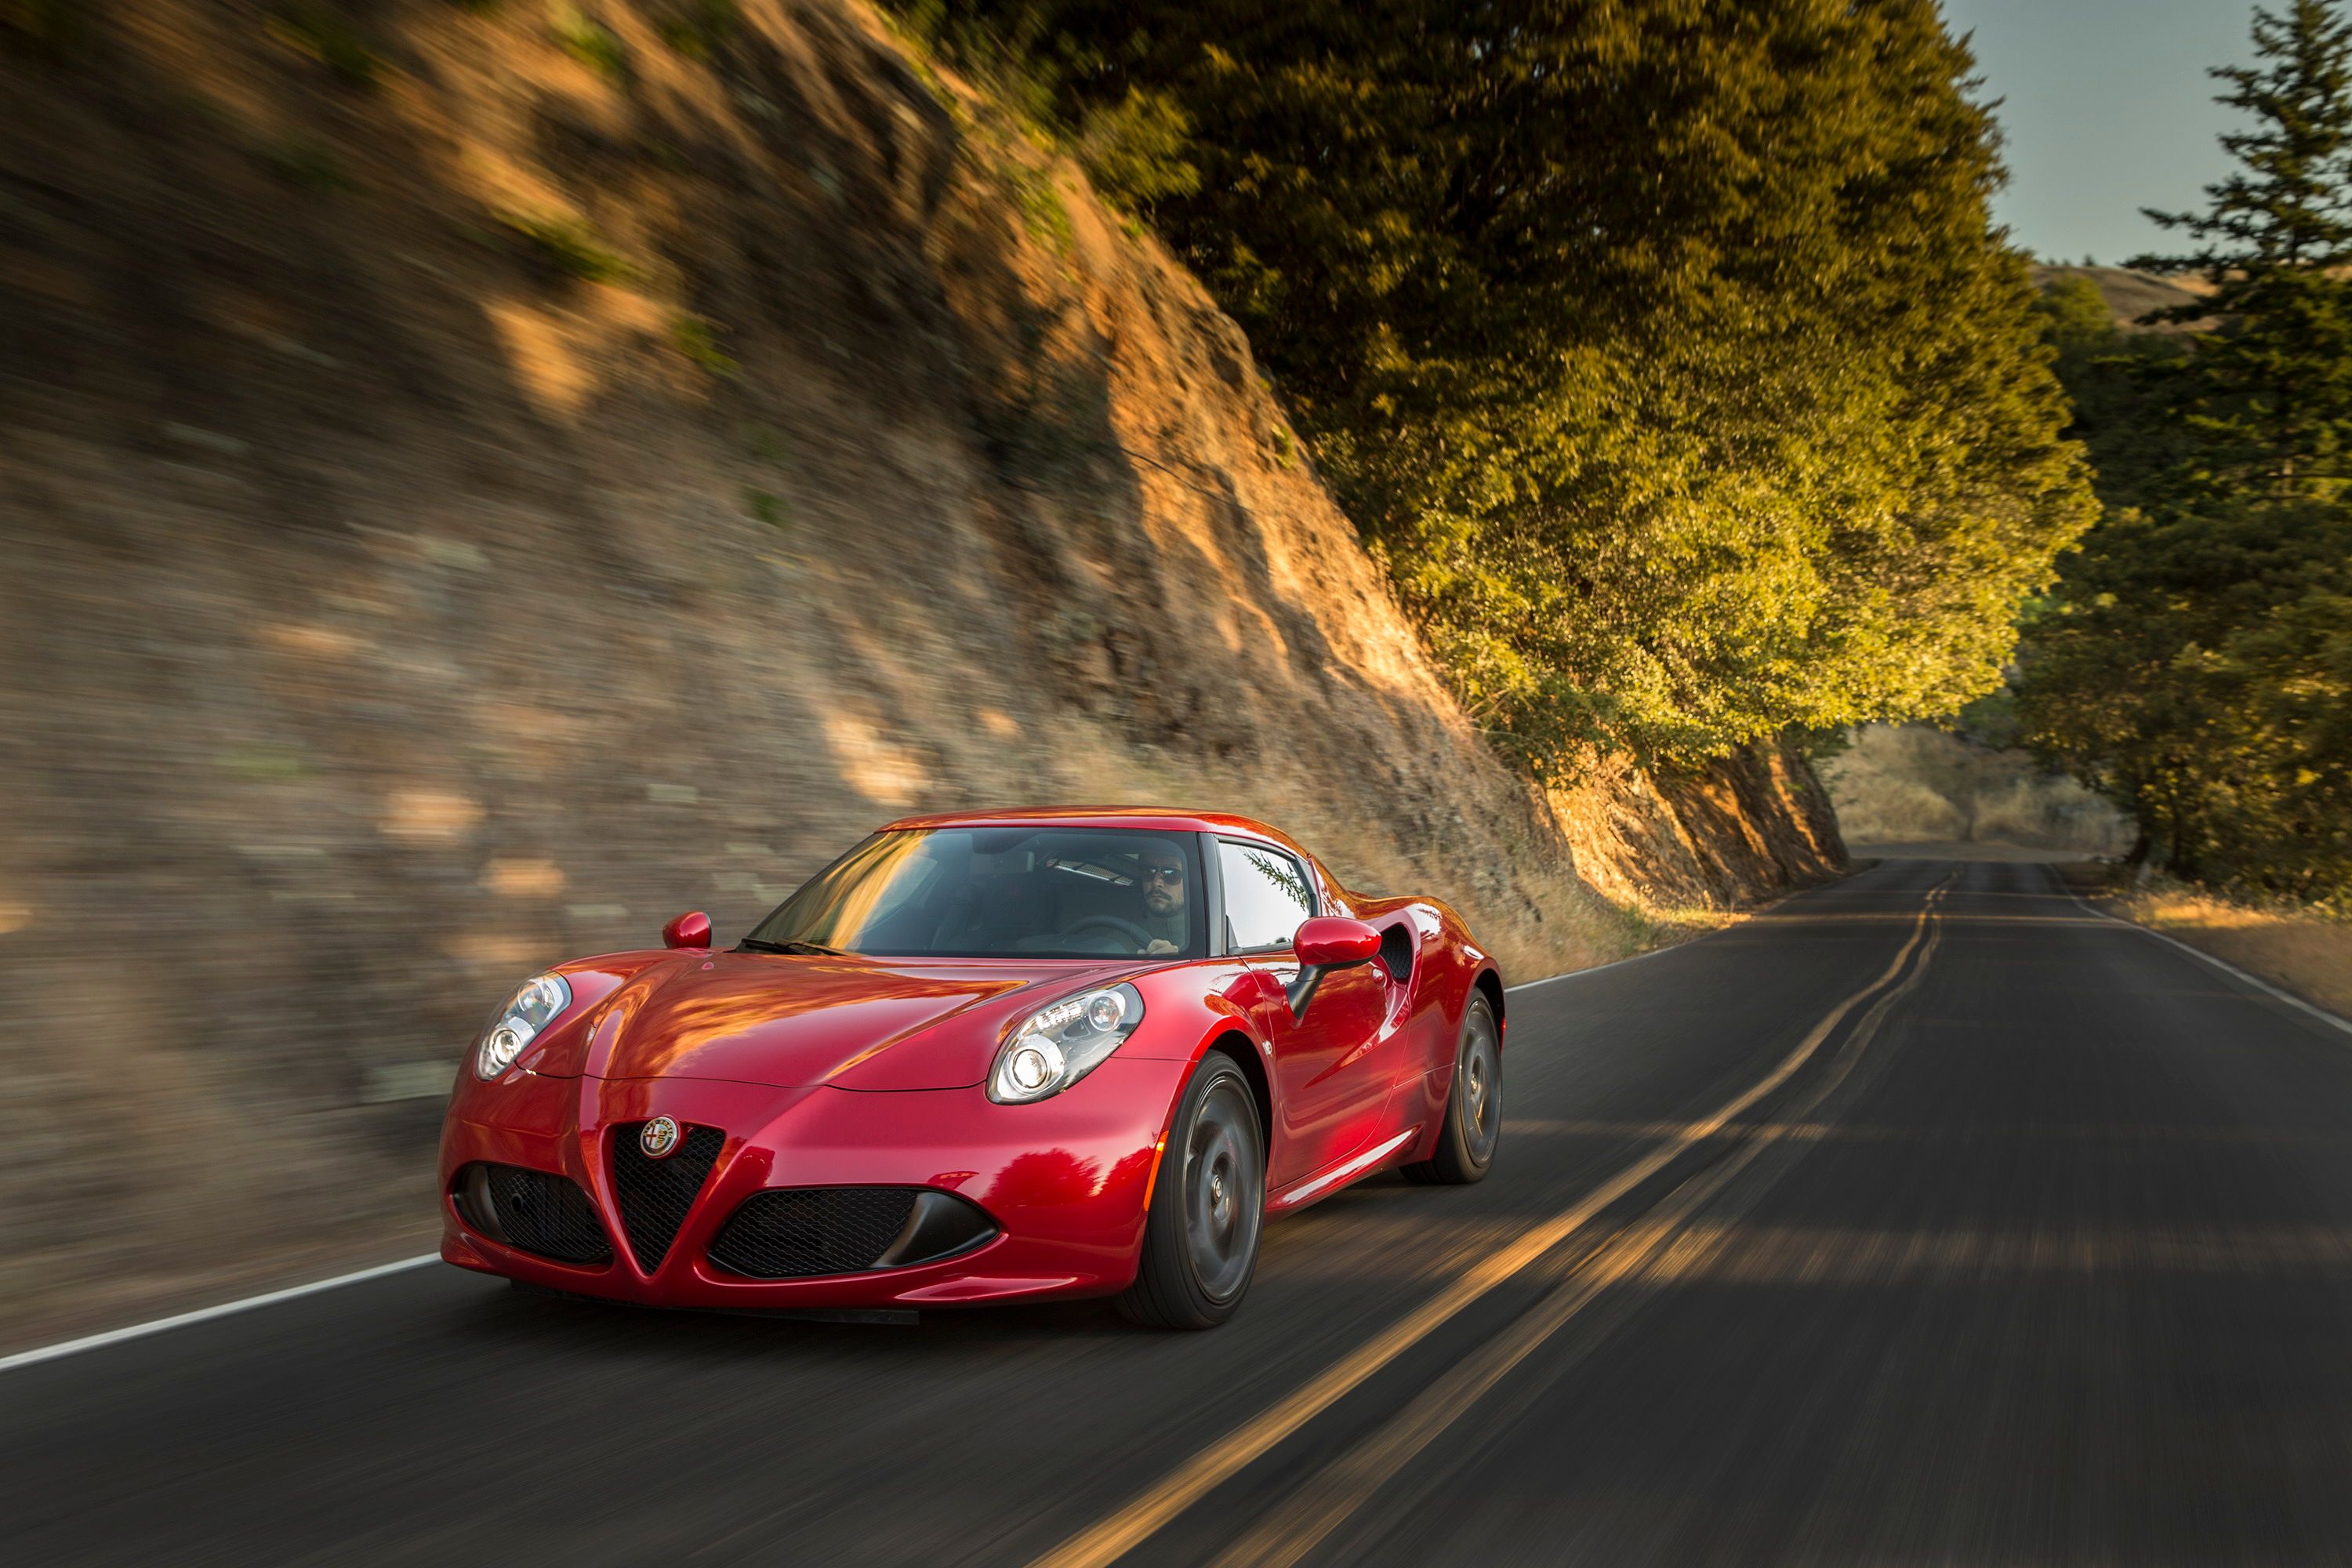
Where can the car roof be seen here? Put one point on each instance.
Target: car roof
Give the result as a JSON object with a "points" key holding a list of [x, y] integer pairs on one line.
{"points": [[1158, 819]]}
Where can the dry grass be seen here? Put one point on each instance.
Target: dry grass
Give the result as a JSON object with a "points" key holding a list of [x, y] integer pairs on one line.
{"points": [[2308, 952], [400, 600], [2131, 295], [1910, 784]]}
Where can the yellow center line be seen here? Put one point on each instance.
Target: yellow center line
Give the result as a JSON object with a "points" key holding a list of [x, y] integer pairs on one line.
{"points": [[1113, 1537], [1326, 1501]]}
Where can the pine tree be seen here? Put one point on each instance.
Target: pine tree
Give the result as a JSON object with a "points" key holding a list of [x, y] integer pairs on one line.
{"points": [[2270, 396], [2197, 658]]}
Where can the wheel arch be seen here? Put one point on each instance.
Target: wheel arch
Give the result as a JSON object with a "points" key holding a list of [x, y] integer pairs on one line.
{"points": [[1490, 984], [1244, 1053]]}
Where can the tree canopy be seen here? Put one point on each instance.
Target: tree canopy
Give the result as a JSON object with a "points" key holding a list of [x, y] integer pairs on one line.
{"points": [[1664, 350], [2196, 659], [2268, 404]]}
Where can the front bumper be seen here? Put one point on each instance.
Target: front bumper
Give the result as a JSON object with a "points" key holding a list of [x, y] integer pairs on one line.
{"points": [[1066, 1181]]}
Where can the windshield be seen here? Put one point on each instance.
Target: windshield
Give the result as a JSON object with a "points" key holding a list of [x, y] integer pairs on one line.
{"points": [[1027, 892]]}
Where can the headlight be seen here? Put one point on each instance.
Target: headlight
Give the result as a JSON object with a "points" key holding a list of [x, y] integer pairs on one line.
{"points": [[519, 1023], [1056, 1047]]}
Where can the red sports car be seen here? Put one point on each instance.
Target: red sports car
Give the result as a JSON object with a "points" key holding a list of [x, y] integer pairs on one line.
{"points": [[978, 1058]]}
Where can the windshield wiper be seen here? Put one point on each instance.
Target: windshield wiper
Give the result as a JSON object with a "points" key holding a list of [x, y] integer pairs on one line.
{"points": [[813, 950]]}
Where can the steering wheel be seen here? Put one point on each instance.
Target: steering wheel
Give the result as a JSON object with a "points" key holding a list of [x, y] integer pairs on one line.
{"points": [[1128, 929]]}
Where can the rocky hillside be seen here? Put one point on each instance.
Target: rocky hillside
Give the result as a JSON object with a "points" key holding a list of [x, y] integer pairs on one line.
{"points": [[476, 481]]}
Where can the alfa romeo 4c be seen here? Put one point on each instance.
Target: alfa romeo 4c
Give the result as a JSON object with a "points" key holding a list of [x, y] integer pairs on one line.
{"points": [[978, 1058]]}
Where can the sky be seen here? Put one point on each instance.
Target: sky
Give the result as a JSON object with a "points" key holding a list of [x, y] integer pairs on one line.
{"points": [[2108, 109]]}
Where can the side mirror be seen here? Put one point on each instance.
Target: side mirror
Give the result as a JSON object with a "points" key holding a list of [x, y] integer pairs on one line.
{"points": [[688, 930], [1325, 943]]}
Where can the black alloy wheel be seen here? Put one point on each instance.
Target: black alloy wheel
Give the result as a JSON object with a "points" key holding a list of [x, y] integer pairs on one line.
{"points": [[1200, 1238], [1473, 1110]]}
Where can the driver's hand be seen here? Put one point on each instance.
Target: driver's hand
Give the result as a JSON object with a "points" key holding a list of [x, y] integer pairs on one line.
{"points": [[1160, 945]]}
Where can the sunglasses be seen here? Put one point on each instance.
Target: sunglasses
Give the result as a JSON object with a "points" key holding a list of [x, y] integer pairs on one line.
{"points": [[1163, 874]]}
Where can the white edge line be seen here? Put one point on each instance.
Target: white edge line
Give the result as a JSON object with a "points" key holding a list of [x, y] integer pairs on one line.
{"points": [[139, 1331], [270, 1297], [2223, 965]]}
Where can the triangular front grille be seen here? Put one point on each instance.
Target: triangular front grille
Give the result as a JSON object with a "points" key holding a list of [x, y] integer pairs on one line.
{"points": [[656, 1195]]}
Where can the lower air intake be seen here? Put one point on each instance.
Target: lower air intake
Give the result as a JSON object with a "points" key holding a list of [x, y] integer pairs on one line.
{"points": [[792, 1233], [533, 1211], [655, 1194]]}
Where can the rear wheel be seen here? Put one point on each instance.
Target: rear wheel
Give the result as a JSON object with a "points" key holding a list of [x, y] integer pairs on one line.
{"points": [[1199, 1240], [1473, 1110]]}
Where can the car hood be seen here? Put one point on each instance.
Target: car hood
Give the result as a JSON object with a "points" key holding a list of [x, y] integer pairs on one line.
{"points": [[795, 1022]]}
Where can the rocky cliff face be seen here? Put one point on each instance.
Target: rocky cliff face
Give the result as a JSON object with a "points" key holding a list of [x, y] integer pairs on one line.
{"points": [[473, 486]]}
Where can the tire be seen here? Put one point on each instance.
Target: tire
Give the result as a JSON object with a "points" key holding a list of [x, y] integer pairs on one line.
{"points": [[1474, 1107], [1208, 1206]]}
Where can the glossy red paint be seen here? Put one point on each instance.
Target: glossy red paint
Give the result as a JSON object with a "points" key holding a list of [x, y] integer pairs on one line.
{"points": [[692, 930], [872, 1024], [1063, 1179], [1331, 941], [853, 1071]]}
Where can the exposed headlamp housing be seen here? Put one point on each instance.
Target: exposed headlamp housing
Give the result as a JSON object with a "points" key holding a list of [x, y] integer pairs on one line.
{"points": [[1056, 1047], [519, 1023]]}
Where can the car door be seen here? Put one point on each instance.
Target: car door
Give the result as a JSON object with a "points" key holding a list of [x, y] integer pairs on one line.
{"points": [[1328, 1092]]}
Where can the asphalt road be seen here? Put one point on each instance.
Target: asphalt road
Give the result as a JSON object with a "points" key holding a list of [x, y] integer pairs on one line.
{"points": [[1927, 1217]]}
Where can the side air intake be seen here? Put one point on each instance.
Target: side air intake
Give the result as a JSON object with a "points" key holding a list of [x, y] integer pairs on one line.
{"points": [[536, 1212]]}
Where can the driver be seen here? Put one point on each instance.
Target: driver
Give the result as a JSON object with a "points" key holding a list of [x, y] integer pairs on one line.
{"points": [[1164, 915]]}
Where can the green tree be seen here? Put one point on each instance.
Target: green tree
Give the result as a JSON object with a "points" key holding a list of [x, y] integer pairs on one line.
{"points": [[1662, 349], [2195, 658], [2268, 399], [2075, 315], [2199, 668], [2123, 386]]}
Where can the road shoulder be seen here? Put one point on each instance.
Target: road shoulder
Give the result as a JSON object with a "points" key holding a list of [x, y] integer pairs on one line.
{"points": [[2305, 954]]}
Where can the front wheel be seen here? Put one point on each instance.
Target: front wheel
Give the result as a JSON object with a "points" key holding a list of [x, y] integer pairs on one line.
{"points": [[1199, 1240], [1473, 1110]]}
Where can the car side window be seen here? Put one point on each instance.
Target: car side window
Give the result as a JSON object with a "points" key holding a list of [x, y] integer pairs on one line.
{"points": [[1267, 895]]}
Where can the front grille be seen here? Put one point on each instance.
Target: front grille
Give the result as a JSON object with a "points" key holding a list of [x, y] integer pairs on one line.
{"points": [[535, 1212], [656, 1193], [791, 1232]]}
